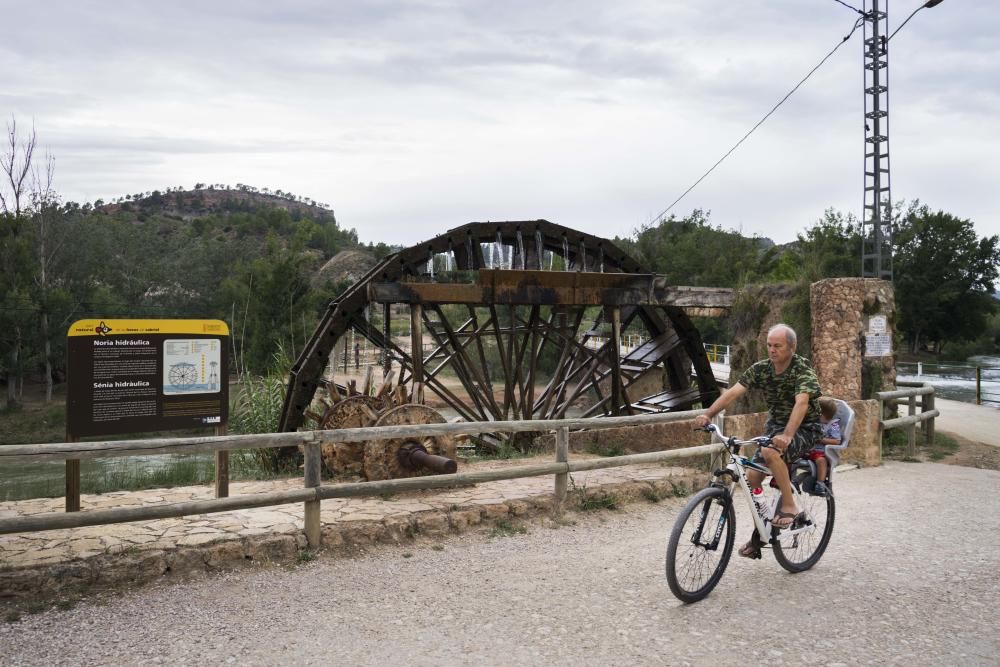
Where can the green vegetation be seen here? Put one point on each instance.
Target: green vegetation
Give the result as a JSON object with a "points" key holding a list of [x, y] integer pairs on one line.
{"points": [[599, 501], [945, 274], [22, 424], [506, 528], [246, 255], [606, 449], [895, 446]]}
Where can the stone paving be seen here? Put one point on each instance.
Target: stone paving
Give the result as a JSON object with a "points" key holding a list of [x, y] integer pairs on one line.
{"points": [[144, 550]]}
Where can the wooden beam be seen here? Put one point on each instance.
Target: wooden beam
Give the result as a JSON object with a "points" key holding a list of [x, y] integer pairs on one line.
{"points": [[558, 288]]}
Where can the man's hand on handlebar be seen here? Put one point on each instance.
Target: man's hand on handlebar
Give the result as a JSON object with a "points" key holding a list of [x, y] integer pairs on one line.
{"points": [[781, 442], [702, 421]]}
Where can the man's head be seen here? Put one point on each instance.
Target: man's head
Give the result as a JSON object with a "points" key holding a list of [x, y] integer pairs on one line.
{"points": [[781, 342]]}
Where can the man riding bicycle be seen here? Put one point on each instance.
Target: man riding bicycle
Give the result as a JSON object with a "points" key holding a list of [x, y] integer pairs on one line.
{"points": [[791, 391]]}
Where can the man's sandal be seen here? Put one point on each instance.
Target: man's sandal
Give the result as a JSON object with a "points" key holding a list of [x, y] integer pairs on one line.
{"points": [[785, 519], [750, 550]]}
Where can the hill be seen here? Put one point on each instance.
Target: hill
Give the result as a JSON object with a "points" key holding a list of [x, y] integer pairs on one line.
{"points": [[206, 200]]}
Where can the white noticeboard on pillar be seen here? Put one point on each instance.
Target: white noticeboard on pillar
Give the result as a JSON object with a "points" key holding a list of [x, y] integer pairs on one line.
{"points": [[878, 340]]}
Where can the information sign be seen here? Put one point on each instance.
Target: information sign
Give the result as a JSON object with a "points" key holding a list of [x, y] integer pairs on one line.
{"points": [[133, 376], [878, 345]]}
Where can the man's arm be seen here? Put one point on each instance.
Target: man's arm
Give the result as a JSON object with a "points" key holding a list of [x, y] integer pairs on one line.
{"points": [[794, 421], [727, 397]]}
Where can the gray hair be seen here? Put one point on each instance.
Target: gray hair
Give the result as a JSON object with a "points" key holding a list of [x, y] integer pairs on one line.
{"points": [[790, 336]]}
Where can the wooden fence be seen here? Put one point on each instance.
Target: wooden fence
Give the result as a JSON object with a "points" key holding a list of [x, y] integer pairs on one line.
{"points": [[925, 417], [314, 491]]}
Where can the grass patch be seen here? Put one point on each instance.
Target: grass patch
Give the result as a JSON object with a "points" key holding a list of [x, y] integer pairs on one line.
{"points": [[602, 501], [505, 528], [438, 547], [305, 555], [655, 494], [66, 604], [895, 446], [606, 449], [27, 424], [407, 554], [12, 617], [942, 447], [506, 450]]}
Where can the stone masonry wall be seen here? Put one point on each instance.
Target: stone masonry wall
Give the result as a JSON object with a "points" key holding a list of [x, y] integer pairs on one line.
{"points": [[844, 311], [863, 450]]}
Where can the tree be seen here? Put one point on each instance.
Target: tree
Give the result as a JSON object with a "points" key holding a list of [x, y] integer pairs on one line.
{"points": [[271, 298], [15, 162], [49, 238], [831, 248], [690, 251], [945, 276]]}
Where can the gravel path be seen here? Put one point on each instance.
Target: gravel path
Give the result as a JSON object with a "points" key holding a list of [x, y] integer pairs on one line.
{"points": [[910, 578]]}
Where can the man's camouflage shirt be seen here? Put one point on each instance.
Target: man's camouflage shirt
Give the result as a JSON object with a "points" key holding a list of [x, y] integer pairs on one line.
{"points": [[780, 390]]}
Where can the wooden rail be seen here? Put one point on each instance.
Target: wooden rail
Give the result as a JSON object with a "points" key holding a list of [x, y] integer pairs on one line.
{"points": [[925, 417], [314, 491]]}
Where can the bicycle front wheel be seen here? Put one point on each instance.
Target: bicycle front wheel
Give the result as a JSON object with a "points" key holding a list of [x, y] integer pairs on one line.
{"points": [[800, 550], [700, 544]]}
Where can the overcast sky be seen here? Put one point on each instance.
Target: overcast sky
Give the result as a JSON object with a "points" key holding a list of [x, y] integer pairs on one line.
{"points": [[409, 118]]}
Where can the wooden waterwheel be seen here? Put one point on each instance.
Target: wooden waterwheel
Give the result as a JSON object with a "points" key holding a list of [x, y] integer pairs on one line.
{"points": [[518, 320]]}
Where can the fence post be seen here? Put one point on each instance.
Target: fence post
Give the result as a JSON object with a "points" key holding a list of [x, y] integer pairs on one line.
{"points": [[911, 430], [979, 385], [72, 480], [562, 456], [312, 480], [927, 404], [222, 466]]}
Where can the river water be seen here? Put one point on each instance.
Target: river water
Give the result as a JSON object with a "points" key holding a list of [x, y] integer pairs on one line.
{"points": [[957, 381]]}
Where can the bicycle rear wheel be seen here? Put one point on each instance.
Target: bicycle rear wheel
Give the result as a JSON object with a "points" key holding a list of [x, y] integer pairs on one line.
{"points": [[700, 544], [799, 552]]}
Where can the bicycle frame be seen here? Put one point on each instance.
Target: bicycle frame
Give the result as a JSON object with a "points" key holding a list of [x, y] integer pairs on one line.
{"points": [[736, 472]]}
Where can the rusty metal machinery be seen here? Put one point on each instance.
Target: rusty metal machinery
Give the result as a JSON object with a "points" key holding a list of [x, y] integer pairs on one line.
{"points": [[408, 457], [382, 459], [520, 320]]}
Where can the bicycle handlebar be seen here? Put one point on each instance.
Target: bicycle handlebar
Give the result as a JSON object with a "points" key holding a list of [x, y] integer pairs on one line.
{"points": [[760, 440]]}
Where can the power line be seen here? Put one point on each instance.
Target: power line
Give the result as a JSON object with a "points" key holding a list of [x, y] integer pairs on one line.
{"points": [[850, 7], [857, 24], [910, 17]]}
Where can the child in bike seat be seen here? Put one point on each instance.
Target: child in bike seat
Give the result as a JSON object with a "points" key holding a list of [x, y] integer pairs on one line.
{"points": [[831, 436]]}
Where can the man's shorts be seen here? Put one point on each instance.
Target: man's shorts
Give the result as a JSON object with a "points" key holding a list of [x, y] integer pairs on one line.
{"points": [[805, 438]]}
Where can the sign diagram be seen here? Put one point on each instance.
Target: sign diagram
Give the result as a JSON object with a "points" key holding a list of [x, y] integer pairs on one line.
{"points": [[191, 366]]}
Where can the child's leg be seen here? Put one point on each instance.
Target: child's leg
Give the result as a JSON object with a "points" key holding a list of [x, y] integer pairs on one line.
{"points": [[821, 466]]}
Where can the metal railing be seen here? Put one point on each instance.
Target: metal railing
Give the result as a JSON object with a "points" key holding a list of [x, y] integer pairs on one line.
{"points": [[313, 491], [986, 378], [925, 417], [717, 354]]}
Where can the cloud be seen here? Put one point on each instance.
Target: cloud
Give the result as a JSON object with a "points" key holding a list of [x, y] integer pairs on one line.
{"points": [[595, 115]]}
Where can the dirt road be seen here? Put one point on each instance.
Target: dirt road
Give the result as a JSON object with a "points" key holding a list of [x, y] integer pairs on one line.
{"points": [[910, 578], [979, 423]]}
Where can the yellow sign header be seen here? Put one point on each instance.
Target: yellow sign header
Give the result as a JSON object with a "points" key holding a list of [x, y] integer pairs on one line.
{"points": [[133, 327]]}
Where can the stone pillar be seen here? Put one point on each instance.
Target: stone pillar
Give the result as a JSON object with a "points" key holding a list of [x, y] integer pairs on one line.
{"points": [[852, 330]]}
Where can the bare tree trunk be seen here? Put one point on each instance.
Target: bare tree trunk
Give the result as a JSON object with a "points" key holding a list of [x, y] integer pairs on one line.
{"points": [[14, 372], [45, 201], [48, 357]]}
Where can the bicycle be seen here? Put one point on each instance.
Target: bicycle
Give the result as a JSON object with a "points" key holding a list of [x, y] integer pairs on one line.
{"points": [[697, 556]]}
